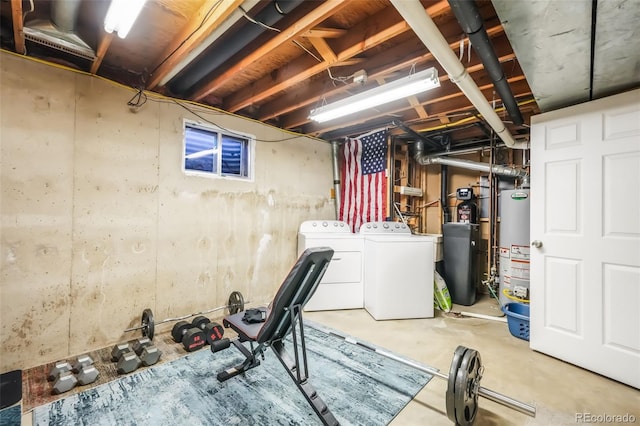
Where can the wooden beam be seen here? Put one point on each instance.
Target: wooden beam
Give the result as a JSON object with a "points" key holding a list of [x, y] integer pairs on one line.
{"points": [[192, 35], [324, 32], [415, 103], [18, 33], [369, 33], [324, 49], [444, 118], [315, 17], [382, 64], [299, 116], [103, 46]]}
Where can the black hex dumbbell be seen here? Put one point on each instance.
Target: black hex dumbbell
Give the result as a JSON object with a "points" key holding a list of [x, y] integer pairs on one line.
{"points": [[212, 330], [192, 338]]}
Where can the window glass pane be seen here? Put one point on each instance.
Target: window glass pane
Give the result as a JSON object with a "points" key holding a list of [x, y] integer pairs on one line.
{"points": [[200, 150], [234, 156]]}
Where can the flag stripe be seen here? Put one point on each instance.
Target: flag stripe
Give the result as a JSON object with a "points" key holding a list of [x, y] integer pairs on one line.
{"points": [[364, 184]]}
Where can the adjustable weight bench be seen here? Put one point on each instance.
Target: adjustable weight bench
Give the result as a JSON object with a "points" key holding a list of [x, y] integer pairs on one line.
{"points": [[284, 316]]}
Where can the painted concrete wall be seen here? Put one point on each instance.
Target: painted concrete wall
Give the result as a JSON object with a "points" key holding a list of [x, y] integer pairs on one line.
{"points": [[98, 220]]}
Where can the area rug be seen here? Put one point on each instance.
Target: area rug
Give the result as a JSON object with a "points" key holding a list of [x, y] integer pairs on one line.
{"points": [[359, 386]]}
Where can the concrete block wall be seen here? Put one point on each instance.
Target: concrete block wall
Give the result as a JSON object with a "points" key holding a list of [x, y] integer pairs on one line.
{"points": [[98, 221]]}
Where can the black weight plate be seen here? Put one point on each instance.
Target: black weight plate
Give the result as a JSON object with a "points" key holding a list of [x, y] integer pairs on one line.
{"points": [[235, 303], [213, 332], [179, 329], [451, 382], [200, 321], [466, 388], [148, 324], [193, 339]]}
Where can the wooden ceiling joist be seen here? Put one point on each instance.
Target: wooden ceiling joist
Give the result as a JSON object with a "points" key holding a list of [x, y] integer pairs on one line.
{"points": [[359, 39], [315, 17], [18, 34]]}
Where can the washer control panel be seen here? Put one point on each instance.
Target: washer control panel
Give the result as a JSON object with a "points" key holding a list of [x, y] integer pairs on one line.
{"points": [[324, 226], [385, 228]]}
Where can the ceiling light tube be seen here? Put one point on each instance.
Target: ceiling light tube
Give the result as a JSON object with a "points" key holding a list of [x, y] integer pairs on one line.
{"points": [[121, 16], [413, 84]]}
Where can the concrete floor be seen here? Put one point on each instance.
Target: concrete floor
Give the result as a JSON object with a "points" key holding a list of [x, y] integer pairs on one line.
{"points": [[558, 390]]}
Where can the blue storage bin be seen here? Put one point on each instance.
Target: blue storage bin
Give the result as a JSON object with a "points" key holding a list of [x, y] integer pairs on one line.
{"points": [[517, 319]]}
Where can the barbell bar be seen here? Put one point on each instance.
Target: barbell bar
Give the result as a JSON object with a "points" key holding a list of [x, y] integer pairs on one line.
{"points": [[235, 304], [463, 382]]}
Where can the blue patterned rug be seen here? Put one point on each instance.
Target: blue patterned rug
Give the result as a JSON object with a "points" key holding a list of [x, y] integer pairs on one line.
{"points": [[359, 386]]}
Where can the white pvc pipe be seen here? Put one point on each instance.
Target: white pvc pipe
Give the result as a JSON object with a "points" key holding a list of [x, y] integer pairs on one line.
{"points": [[416, 16], [482, 316]]}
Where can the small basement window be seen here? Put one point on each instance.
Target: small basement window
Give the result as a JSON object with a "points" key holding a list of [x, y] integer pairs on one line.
{"points": [[210, 151]]}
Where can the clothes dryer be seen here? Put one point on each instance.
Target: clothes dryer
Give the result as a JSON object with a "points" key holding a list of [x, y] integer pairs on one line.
{"points": [[398, 271]]}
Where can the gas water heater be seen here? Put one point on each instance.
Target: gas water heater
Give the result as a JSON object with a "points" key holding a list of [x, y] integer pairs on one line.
{"points": [[514, 245]]}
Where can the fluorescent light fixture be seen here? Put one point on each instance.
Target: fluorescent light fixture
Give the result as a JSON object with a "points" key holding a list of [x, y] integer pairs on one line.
{"points": [[121, 16], [401, 88]]}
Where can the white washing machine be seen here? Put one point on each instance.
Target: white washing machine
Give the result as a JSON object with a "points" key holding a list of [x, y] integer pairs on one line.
{"points": [[398, 271], [342, 285]]}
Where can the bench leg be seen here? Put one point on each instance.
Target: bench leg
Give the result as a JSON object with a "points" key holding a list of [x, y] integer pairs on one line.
{"points": [[312, 397], [250, 362]]}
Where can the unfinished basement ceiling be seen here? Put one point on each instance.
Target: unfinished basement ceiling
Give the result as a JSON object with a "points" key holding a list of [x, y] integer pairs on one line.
{"points": [[275, 61], [554, 42]]}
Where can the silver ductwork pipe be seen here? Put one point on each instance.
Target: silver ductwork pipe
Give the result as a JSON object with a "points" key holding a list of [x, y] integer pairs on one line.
{"points": [[64, 14], [417, 151], [423, 26], [336, 176]]}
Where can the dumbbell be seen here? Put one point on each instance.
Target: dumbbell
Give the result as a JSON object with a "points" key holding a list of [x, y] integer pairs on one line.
{"points": [[192, 338], [148, 353], [127, 360], [212, 330], [63, 377], [85, 371]]}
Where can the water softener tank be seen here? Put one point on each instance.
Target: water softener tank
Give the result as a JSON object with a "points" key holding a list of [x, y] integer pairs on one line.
{"points": [[461, 242], [514, 244]]}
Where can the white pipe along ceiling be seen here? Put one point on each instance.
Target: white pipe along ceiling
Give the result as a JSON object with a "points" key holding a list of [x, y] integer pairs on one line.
{"points": [[415, 15]]}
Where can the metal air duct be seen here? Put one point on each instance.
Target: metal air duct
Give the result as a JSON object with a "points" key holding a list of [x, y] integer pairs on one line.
{"points": [[417, 152], [59, 32]]}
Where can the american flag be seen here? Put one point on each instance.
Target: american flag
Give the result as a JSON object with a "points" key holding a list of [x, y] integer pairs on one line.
{"points": [[364, 188]]}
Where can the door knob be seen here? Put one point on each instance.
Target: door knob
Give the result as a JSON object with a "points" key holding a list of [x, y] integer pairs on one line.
{"points": [[536, 243]]}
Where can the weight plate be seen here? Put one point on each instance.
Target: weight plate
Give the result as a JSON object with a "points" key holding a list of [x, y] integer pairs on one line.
{"points": [[200, 322], [236, 302], [179, 329], [466, 388], [453, 371], [148, 324]]}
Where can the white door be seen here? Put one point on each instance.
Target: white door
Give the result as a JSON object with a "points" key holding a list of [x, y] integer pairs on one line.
{"points": [[585, 213]]}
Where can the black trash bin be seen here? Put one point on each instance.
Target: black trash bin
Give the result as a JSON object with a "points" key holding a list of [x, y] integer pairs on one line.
{"points": [[461, 242]]}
